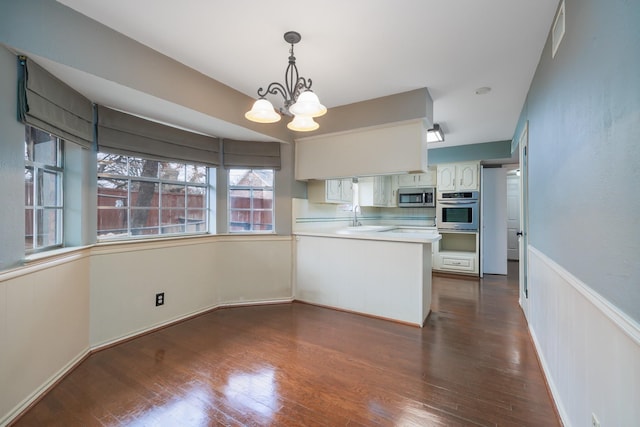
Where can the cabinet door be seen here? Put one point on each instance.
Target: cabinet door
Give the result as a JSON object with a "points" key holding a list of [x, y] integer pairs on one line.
{"points": [[446, 177], [381, 186], [407, 180], [426, 179], [333, 187], [346, 190], [467, 176]]}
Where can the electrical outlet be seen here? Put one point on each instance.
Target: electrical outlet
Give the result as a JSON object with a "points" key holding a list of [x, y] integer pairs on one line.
{"points": [[160, 299], [594, 421]]}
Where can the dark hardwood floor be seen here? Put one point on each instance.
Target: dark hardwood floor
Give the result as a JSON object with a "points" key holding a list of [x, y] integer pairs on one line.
{"points": [[299, 365]]}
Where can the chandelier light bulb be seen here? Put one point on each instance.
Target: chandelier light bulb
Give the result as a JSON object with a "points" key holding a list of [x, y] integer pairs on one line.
{"points": [[308, 104], [262, 112], [303, 124]]}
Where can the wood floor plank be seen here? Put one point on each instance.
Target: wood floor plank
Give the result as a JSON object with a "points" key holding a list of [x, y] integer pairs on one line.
{"points": [[473, 364]]}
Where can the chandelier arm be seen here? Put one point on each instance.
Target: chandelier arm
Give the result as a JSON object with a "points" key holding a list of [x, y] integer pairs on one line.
{"points": [[301, 84], [273, 89]]}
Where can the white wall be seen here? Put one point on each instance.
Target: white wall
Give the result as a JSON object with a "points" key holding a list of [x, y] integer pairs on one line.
{"points": [[590, 350], [44, 327], [195, 275]]}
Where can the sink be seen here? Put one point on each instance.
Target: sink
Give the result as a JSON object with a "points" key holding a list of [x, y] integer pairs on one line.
{"points": [[364, 229]]}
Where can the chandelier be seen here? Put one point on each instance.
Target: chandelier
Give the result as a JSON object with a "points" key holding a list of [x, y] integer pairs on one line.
{"points": [[299, 101]]}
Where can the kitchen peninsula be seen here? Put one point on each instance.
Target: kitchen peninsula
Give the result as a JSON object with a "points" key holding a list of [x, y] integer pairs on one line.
{"points": [[381, 271]]}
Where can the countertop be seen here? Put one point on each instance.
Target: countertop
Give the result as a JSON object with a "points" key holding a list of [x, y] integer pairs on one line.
{"points": [[389, 233]]}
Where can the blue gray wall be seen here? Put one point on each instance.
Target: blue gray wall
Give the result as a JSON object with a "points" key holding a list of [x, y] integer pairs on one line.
{"points": [[11, 166], [583, 110]]}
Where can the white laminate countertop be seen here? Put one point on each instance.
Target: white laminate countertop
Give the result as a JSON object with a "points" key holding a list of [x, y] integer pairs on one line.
{"points": [[389, 233]]}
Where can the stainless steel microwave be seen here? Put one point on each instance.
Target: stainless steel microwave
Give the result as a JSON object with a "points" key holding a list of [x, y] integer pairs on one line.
{"points": [[423, 197]]}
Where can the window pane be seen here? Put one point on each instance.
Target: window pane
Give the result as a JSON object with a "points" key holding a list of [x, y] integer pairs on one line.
{"points": [[112, 222], [42, 147], [173, 220], [196, 174], [240, 220], [48, 194], [113, 164], [172, 171], [46, 152], [47, 224], [262, 220], [143, 168], [173, 196], [196, 220], [28, 186], [28, 229], [144, 194], [196, 197], [144, 221], [239, 199], [262, 199]]}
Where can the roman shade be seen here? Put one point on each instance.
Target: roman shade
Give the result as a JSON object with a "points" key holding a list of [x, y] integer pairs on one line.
{"points": [[251, 154], [123, 133], [49, 104]]}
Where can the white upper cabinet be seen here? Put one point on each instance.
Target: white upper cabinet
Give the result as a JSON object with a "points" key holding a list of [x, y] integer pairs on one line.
{"points": [[425, 179], [388, 149], [375, 191], [458, 176], [330, 191]]}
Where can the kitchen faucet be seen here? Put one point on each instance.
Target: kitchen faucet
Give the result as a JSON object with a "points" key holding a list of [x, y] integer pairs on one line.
{"points": [[356, 209]]}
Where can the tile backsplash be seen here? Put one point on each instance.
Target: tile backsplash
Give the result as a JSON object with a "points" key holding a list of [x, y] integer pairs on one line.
{"points": [[308, 215]]}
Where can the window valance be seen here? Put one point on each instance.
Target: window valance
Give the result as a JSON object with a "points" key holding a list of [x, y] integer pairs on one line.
{"points": [[47, 103], [123, 133]]}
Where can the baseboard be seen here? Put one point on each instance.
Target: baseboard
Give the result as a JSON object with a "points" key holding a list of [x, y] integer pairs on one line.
{"points": [[39, 393]]}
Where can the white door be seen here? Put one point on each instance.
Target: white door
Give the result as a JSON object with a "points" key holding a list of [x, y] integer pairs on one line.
{"points": [[494, 221], [513, 215], [524, 221]]}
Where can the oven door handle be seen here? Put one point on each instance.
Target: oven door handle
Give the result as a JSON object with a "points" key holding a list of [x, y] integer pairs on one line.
{"points": [[460, 204]]}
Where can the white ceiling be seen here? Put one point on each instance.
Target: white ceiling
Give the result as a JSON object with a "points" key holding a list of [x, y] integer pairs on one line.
{"points": [[354, 50]]}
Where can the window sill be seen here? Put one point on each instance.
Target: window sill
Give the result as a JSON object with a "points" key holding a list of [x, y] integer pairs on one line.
{"points": [[54, 253]]}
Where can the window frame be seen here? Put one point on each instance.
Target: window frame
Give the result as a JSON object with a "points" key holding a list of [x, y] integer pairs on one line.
{"points": [[38, 168], [252, 208], [160, 183]]}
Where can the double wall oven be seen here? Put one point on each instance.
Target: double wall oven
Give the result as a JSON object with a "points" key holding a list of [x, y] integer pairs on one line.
{"points": [[458, 210]]}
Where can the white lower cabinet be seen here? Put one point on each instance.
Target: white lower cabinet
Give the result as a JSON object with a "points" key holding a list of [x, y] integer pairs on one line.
{"points": [[457, 252]]}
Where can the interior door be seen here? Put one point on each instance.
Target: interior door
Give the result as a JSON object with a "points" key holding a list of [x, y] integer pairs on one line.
{"points": [[513, 214], [524, 220], [494, 221]]}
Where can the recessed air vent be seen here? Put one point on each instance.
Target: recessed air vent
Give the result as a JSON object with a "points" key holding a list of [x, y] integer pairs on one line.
{"points": [[558, 30]]}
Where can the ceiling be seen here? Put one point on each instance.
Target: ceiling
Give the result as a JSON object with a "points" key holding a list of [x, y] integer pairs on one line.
{"points": [[352, 50]]}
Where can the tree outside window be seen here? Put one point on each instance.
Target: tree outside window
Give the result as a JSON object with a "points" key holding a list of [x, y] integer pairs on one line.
{"points": [[143, 197]]}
